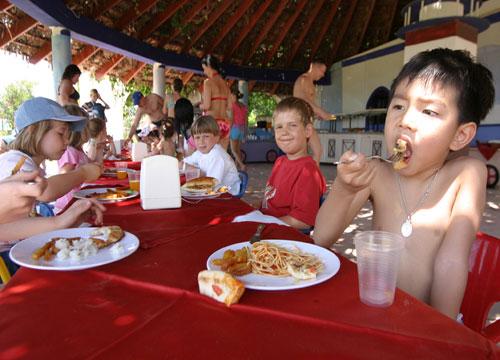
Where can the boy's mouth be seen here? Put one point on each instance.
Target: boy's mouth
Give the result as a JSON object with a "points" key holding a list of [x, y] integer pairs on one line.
{"points": [[402, 153]]}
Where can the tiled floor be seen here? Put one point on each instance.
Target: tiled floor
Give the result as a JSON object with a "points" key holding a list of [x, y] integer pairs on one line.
{"points": [[259, 172]]}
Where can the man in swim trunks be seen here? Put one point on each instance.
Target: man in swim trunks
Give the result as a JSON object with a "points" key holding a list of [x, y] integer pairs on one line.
{"points": [[304, 89]]}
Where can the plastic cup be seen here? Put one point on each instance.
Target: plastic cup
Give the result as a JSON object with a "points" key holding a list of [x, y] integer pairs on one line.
{"points": [[121, 170], [134, 180], [192, 173], [378, 254]]}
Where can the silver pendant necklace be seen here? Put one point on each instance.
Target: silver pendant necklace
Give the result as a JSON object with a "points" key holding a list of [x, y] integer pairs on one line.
{"points": [[407, 227]]}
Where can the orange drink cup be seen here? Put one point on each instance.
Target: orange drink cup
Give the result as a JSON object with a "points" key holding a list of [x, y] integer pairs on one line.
{"points": [[121, 170], [134, 180]]}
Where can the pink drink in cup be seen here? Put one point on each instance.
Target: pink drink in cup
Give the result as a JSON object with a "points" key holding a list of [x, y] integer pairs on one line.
{"points": [[378, 254]]}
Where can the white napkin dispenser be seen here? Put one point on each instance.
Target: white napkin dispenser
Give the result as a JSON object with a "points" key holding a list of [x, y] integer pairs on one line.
{"points": [[139, 151], [160, 183]]}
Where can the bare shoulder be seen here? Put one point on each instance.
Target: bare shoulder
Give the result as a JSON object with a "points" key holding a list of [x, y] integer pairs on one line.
{"points": [[465, 166]]}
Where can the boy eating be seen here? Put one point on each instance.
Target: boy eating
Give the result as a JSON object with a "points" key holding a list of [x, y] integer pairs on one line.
{"points": [[296, 184], [434, 200], [210, 157]]}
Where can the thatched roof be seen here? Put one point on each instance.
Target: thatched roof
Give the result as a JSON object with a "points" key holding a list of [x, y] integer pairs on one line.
{"points": [[278, 34]]}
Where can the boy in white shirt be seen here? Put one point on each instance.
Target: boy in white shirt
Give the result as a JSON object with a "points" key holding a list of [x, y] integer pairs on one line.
{"points": [[210, 157]]}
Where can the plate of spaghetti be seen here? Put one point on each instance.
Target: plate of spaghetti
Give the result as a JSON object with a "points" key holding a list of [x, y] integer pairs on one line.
{"points": [[276, 264]]}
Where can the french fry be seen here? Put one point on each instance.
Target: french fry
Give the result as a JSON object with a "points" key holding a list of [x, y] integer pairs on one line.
{"points": [[18, 166]]}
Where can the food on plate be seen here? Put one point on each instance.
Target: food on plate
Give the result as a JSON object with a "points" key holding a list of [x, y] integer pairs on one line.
{"points": [[270, 259], [201, 184], [78, 248], [220, 286], [109, 194], [266, 258], [18, 166], [399, 153], [235, 262]]}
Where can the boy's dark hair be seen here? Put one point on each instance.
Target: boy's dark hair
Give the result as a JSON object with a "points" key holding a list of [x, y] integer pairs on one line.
{"points": [[177, 85], [205, 125], [301, 107], [454, 68], [184, 114]]}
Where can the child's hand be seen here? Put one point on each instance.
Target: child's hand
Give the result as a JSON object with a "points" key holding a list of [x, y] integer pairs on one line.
{"points": [[18, 194], [87, 210], [354, 173], [90, 171]]}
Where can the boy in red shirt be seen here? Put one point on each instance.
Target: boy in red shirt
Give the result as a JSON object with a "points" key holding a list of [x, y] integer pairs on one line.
{"points": [[296, 184]]}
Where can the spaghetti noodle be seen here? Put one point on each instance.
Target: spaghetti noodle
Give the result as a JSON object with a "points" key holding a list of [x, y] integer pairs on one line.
{"points": [[270, 259]]}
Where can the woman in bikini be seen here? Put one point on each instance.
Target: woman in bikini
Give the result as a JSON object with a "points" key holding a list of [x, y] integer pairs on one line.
{"points": [[67, 94], [215, 98]]}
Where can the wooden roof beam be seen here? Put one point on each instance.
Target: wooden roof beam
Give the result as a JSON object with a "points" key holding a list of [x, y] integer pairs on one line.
{"points": [[284, 31], [341, 33], [365, 26], [46, 48], [161, 18], [187, 18], [213, 17], [132, 14], [5, 5], [298, 43], [275, 87], [42, 53], [107, 5], [326, 25], [19, 27], [187, 76], [132, 73], [158, 20], [389, 25], [244, 32], [244, 6], [106, 68], [263, 32]]}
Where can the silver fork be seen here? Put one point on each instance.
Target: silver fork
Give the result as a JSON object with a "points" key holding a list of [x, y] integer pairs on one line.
{"points": [[256, 236], [392, 159]]}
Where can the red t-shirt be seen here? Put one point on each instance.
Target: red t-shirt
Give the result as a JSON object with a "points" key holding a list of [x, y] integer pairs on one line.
{"points": [[294, 188]]}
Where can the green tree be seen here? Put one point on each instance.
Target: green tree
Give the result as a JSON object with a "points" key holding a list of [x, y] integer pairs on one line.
{"points": [[260, 105], [13, 95]]}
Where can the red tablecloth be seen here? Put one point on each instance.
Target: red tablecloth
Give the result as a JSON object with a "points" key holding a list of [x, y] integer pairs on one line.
{"points": [[135, 165], [148, 306]]}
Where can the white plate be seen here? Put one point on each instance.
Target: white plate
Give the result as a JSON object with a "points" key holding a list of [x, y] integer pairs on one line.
{"points": [[203, 195], [83, 194], [21, 252], [266, 282]]}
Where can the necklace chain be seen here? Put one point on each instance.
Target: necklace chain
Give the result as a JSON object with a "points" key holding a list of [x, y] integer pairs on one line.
{"points": [[422, 198]]}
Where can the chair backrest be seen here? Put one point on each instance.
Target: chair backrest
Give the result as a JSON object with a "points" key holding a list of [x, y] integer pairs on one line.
{"points": [[483, 285], [244, 183]]}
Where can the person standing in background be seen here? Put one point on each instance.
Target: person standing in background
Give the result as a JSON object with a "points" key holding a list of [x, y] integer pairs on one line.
{"points": [[304, 89], [239, 127], [215, 99], [151, 105], [171, 99], [94, 108], [67, 94]]}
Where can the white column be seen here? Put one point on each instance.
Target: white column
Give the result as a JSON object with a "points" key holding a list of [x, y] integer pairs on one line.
{"points": [[159, 79], [61, 54]]}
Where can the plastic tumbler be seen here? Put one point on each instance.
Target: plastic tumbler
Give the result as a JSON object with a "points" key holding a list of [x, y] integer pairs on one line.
{"points": [[378, 254], [121, 170], [192, 173], [134, 180]]}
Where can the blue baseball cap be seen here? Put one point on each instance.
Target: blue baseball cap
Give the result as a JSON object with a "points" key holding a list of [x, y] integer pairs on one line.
{"points": [[39, 109], [136, 97]]}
